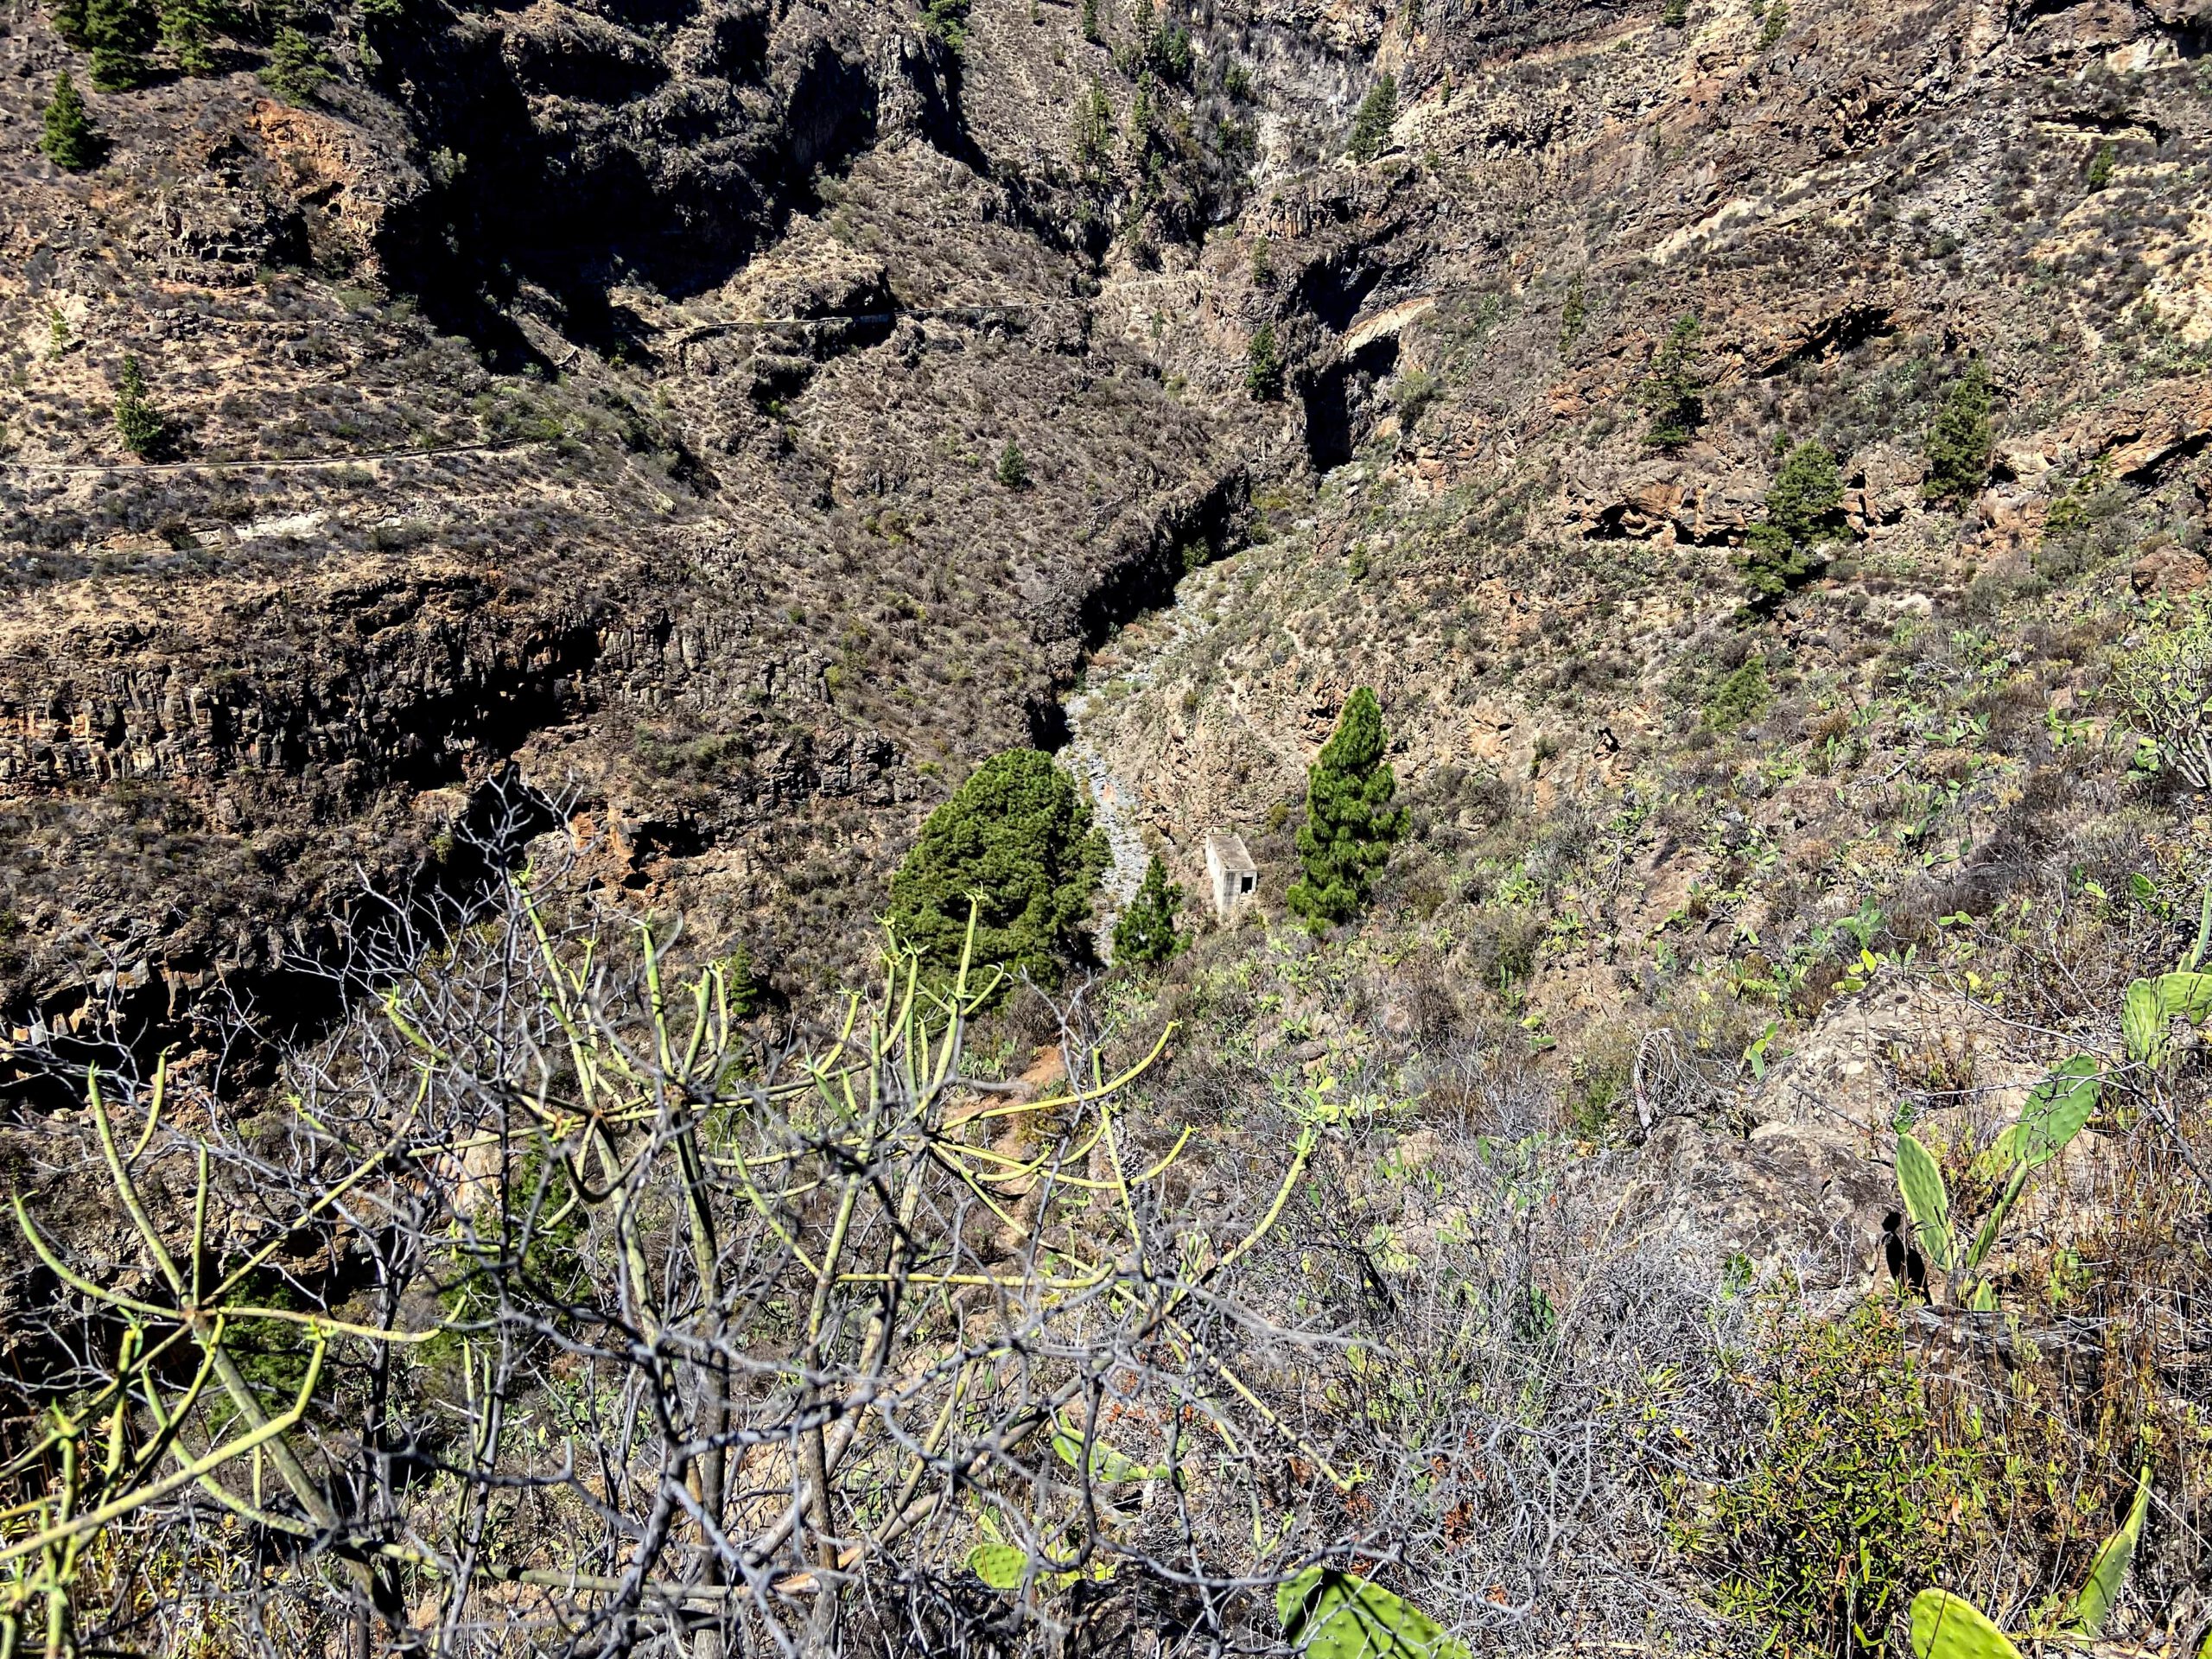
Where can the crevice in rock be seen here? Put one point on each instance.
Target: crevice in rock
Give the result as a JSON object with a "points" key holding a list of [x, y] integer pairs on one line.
{"points": [[1340, 403]]}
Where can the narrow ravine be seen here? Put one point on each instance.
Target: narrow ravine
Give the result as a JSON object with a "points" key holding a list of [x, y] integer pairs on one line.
{"points": [[1127, 667]]}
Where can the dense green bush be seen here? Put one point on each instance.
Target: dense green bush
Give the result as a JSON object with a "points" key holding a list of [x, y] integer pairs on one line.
{"points": [[1743, 697], [1350, 823], [946, 21], [1850, 1502], [1018, 836], [142, 428], [1263, 365], [117, 35], [188, 28], [1093, 127], [297, 66]]}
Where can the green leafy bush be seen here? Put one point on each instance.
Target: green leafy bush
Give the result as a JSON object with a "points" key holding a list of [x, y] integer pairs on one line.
{"points": [[1850, 1497], [1573, 315], [142, 428], [946, 21], [1093, 128], [117, 35], [2163, 686], [69, 140], [297, 66], [1740, 698], [1018, 836], [1350, 823], [188, 28], [1013, 470]]}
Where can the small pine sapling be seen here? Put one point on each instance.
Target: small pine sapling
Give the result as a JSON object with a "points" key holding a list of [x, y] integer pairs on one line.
{"points": [[1371, 123], [1146, 932], [1350, 823], [142, 428], [69, 140]]}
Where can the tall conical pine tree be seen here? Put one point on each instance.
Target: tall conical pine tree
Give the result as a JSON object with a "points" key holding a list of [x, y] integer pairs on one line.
{"points": [[70, 140], [1146, 934], [142, 428], [1350, 823]]}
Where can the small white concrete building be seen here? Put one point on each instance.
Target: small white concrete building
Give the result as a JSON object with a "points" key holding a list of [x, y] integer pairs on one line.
{"points": [[1233, 877]]}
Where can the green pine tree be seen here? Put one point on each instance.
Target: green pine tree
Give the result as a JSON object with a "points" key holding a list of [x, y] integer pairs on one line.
{"points": [[1673, 395], [1573, 315], [1349, 821], [70, 139], [143, 428], [1371, 125], [1091, 30], [188, 28], [946, 21], [117, 35], [1959, 440], [1094, 127], [1263, 365], [1014, 467], [69, 20], [1146, 934], [1017, 835], [1784, 548], [297, 66]]}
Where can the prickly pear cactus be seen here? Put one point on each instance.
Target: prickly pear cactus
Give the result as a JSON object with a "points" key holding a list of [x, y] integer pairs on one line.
{"points": [[2143, 1023], [1926, 1200], [1946, 1627], [2186, 997], [2058, 1108], [1326, 1614], [2108, 1571], [1000, 1565]]}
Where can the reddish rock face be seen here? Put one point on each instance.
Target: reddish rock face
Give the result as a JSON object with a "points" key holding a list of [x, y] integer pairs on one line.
{"points": [[2169, 571]]}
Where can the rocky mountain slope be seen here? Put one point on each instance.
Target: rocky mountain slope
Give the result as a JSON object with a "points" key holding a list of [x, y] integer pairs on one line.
{"points": [[708, 428], [620, 395]]}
